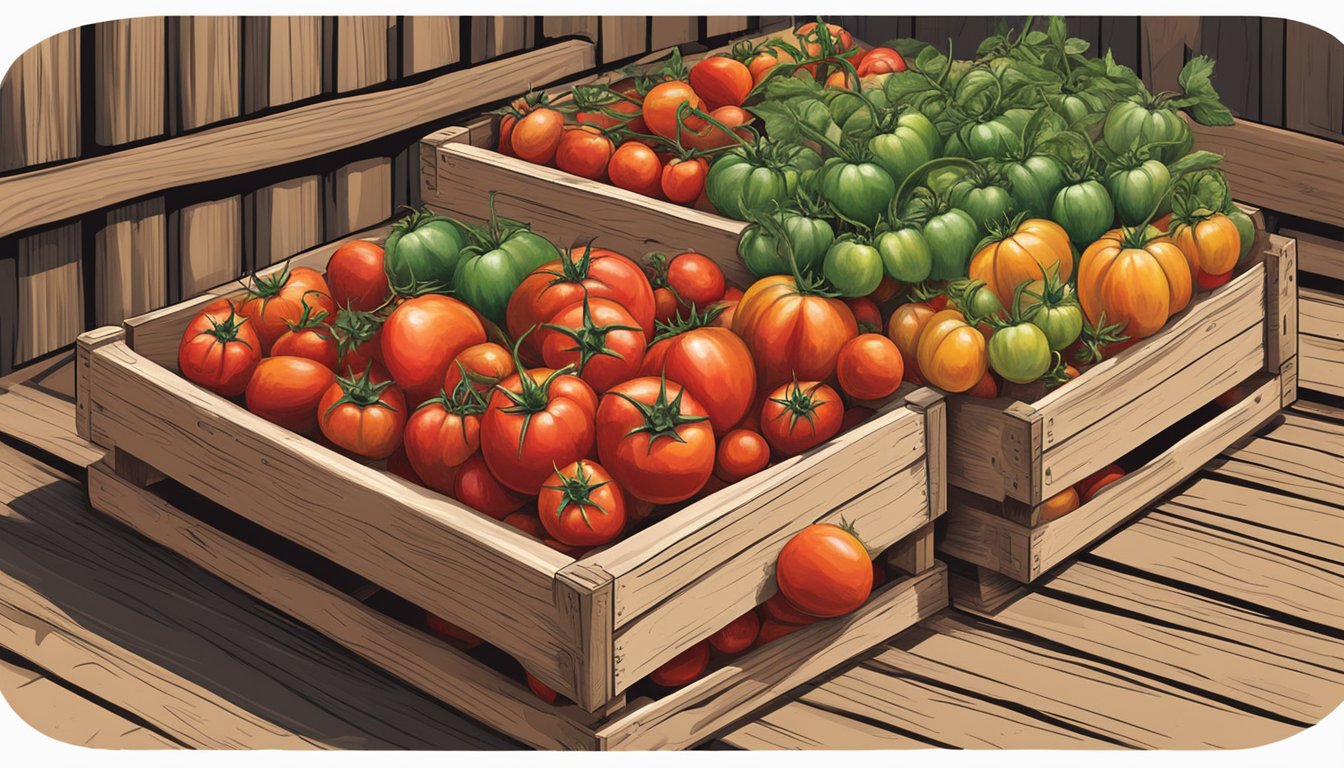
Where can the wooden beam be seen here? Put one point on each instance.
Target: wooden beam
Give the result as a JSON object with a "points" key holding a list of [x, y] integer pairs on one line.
{"points": [[53, 194], [39, 104]]}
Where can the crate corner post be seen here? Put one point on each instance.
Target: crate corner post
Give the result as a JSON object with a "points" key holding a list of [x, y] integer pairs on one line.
{"points": [[86, 344], [585, 596]]}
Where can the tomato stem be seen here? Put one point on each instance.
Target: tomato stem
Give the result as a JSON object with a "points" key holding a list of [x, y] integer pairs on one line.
{"points": [[576, 490], [662, 417]]}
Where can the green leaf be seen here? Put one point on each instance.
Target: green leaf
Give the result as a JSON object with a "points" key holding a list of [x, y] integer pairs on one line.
{"points": [[908, 47], [930, 61], [1076, 46], [1195, 161], [1036, 37], [1211, 114], [900, 87], [1057, 31], [1200, 98]]}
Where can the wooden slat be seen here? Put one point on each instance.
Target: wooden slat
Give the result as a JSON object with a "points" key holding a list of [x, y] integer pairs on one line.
{"points": [[429, 664], [1311, 473], [358, 196], [364, 45], [130, 262], [1272, 38], [286, 219], [428, 148], [62, 714], [1322, 365], [564, 26], [1166, 41], [566, 208], [9, 305], [716, 26], [667, 31], [1234, 42], [1137, 711], [204, 53], [1322, 314], [289, 136], [207, 248], [798, 725], [682, 717], [429, 42], [1320, 255], [495, 36], [421, 546], [1280, 170], [1281, 302], [107, 611], [33, 415], [129, 85], [1313, 81], [39, 104], [282, 60], [623, 37], [992, 446], [51, 291]]}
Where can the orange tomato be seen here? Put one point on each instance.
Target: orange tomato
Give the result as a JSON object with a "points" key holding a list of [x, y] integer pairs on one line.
{"points": [[952, 355], [362, 416], [1135, 283], [286, 391], [1059, 505], [904, 328], [583, 151], [1024, 256], [662, 103], [636, 167], [1089, 486], [791, 333], [824, 571], [760, 65], [536, 136], [721, 80], [869, 367], [1211, 245], [741, 454], [683, 181]]}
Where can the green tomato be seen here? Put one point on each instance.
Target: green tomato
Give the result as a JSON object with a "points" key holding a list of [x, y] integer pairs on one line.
{"points": [[1245, 228], [810, 239], [858, 191], [1130, 125], [1084, 210], [1034, 183], [906, 255], [422, 253], [901, 151], [737, 184], [952, 236], [991, 138], [942, 179], [985, 201], [980, 302], [1138, 191], [852, 114], [977, 91], [853, 268], [485, 279], [1062, 323], [1019, 353]]}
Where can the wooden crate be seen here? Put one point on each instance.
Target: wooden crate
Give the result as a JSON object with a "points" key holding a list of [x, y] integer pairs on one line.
{"points": [[592, 628], [1006, 457]]}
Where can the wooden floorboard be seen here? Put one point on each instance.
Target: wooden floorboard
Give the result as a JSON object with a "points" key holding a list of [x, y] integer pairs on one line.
{"points": [[1321, 341], [37, 408]]}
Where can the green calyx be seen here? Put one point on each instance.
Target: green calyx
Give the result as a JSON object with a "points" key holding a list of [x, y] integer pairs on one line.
{"points": [[1058, 374], [573, 269], [656, 269], [662, 417], [531, 397], [1096, 337], [361, 391], [352, 329], [465, 400], [308, 320], [686, 321], [800, 403], [577, 490], [268, 286], [590, 340], [1054, 293], [226, 331]]}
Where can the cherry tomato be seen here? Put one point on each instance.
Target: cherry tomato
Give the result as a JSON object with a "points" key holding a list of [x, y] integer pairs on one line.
{"points": [[741, 454], [738, 635], [536, 136], [800, 415], [683, 181], [636, 167], [696, 279], [686, 667], [584, 151], [665, 305], [579, 505]]}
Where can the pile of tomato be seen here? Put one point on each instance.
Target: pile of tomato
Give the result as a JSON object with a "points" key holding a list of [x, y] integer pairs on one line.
{"points": [[575, 394]]}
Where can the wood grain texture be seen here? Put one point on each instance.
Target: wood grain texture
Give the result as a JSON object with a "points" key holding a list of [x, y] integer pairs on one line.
{"points": [[1273, 36], [429, 42], [51, 291], [206, 244], [33, 415], [553, 27], [39, 104], [357, 196], [129, 85], [364, 49], [798, 725], [286, 219], [1166, 44], [106, 611], [1313, 81], [567, 209], [1316, 254], [1322, 342], [1132, 709], [1281, 303], [1234, 42], [428, 149], [9, 306], [669, 31], [282, 60], [992, 446], [131, 262], [289, 136], [495, 36], [717, 26], [57, 712], [690, 714], [464, 566], [623, 37], [205, 54]]}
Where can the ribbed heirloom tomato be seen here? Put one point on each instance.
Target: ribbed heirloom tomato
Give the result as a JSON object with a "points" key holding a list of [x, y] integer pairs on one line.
{"points": [[482, 365], [903, 328], [355, 276], [584, 270], [825, 571], [421, 338], [801, 415], [1136, 279], [536, 421], [1035, 247], [792, 330], [286, 390], [275, 301], [442, 434], [952, 354], [1211, 244], [363, 416], [579, 505], [712, 363], [219, 350], [869, 367], [655, 439]]}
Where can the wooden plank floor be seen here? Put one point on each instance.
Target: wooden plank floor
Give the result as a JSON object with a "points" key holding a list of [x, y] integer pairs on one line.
{"points": [[1214, 621]]}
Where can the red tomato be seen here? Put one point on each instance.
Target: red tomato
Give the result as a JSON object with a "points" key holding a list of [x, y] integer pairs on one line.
{"points": [[779, 609], [276, 301], [760, 65], [421, 338], [599, 338], [825, 571], [741, 454], [484, 366], [791, 331], [855, 416], [400, 466], [716, 368], [695, 279], [686, 667], [536, 136], [525, 522], [655, 439], [358, 337], [842, 39], [1207, 282], [661, 105], [219, 350], [704, 135], [772, 630], [363, 417], [726, 311], [879, 575], [477, 487], [636, 168], [442, 434], [880, 61], [451, 633], [584, 151], [721, 80], [665, 305], [799, 416], [584, 270], [628, 106], [579, 505], [732, 293], [1093, 483], [886, 290], [987, 387], [542, 690], [286, 391], [355, 276], [869, 367], [738, 635], [309, 337], [866, 314], [506, 124], [684, 180], [534, 423]]}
